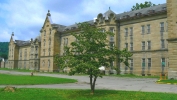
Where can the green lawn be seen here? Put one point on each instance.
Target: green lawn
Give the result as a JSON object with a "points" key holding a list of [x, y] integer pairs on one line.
{"points": [[136, 76], [19, 70], [168, 81], [60, 94], [27, 79]]}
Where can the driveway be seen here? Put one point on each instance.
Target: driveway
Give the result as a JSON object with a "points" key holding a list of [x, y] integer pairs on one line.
{"points": [[107, 82]]}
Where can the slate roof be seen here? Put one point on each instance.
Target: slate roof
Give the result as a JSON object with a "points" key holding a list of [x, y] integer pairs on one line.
{"points": [[38, 38], [144, 11], [58, 26], [140, 12], [76, 26], [22, 43], [107, 13]]}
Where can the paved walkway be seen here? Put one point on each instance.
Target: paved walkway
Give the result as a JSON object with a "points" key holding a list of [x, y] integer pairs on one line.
{"points": [[107, 82]]}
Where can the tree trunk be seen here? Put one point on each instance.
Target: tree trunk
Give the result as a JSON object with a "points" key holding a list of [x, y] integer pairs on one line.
{"points": [[92, 83]]}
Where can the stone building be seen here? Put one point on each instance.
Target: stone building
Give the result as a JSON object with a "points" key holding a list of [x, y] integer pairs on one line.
{"points": [[148, 33]]}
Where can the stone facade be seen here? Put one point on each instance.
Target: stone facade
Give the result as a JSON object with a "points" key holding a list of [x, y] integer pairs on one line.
{"points": [[148, 33], [172, 38]]}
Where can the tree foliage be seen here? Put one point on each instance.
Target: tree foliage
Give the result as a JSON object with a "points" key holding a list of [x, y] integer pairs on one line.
{"points": [[4, 49], [90, 51], [141, 5]]}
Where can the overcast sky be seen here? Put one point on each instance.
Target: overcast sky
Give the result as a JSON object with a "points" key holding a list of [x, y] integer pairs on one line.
{"points": [[26, 17]]}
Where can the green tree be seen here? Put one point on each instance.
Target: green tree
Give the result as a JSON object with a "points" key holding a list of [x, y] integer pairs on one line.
{"points": [[3, 55], [4, 49], [90, 51], [141, 5]]}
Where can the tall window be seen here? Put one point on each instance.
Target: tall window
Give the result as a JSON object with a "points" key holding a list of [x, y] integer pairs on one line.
{"points": [[142, 29], [111, 38], [163, 63], [36, 48], [149, 62], [25, 56], [149, 65], [162, 43], [111, 45], [126, 32], [111, 29], [44, 42], [148, 29], [48, 63], [143, 45], [126, 46], [50, 31], [131, 46], [149, 45], [131, 31], [36, 55], [143, 62], [131, 66], [112, 64], [143, 65], [162, 27], [43, 52], [43, 63]]}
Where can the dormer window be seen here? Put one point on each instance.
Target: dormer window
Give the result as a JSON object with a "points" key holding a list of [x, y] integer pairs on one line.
{"points": [[126, 16], [138, 14], [151, 11], [66, 29], [164, 8], [73, 28], [111, 15]]}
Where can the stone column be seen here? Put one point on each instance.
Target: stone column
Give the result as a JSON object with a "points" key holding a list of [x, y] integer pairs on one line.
{"points": [[172, 38]]}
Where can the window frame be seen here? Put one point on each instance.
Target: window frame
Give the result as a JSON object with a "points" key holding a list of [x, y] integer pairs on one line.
{"points": [[142, 29], [143, 45], [149, 45]]}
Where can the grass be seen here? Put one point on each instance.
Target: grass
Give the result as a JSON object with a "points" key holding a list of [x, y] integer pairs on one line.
{"points": [[60, 94], [19, 70], [31, 80], [136, 76], [168, 81]]}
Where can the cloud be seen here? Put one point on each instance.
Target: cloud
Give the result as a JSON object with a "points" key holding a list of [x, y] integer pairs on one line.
{"points": [[26, 17], [4, 36], [21, 15]]}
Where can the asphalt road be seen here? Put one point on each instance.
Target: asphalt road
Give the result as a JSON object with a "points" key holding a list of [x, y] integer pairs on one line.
{"points": [[107, 82]]}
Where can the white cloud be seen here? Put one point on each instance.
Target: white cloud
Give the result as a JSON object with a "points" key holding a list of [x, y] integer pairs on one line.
{"points": [[26, 17], [4, 36]]}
